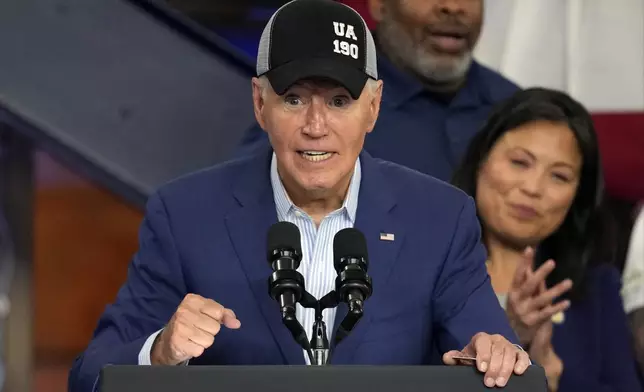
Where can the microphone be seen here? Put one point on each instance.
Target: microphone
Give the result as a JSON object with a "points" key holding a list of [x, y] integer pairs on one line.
{"points": [[284, 255], [285, 284], [351, 262]]}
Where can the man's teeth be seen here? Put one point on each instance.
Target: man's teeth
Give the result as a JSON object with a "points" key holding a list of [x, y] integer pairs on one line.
{"points": [[315, 156]]}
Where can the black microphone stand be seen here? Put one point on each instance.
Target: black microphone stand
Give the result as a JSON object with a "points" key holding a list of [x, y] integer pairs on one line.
{"points": [[319, 341], [318, 348], [288, 287], [319, 344]]}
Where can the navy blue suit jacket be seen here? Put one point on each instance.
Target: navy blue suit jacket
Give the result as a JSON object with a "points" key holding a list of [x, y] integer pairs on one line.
{"points": [[594, 340], [206, 234]]}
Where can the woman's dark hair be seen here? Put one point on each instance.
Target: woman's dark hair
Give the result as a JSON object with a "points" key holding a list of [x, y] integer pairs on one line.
{"points": [[572, 245]]}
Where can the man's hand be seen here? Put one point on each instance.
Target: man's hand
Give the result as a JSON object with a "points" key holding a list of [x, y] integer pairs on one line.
{"points": [[495, 356], [529, 303], [191, 330]]}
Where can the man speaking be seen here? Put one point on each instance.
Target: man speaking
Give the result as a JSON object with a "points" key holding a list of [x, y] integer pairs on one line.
{"points": [[197, 289]]}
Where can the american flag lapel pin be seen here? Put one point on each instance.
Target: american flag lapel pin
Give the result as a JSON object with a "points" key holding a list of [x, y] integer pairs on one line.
{"points": [[386, 236]]}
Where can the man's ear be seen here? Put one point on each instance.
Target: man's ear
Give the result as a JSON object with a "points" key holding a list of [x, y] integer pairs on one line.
{"points": [[374, 104], [258, 102]]}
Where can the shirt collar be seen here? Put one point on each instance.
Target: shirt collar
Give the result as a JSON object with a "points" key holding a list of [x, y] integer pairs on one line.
{"points": [[283, 202], [399, 86]]}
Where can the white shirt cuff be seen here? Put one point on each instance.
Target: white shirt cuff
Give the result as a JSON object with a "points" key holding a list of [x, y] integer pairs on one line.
{"points": [[146, 350], [144, 354]]}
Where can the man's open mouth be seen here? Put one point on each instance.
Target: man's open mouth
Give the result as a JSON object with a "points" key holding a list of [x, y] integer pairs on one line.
{"points": [[315, 156]]}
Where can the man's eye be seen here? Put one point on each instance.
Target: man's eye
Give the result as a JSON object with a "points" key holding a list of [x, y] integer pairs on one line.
{"points": [[340, 101], [292, 100]]}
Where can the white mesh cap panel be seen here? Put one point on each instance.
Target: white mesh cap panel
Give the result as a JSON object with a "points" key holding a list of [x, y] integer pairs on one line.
{"points": [[264, 49], [371, 64]]}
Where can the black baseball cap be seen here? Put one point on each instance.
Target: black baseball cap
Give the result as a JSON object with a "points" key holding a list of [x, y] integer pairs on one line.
{"points": [[317, 38]]}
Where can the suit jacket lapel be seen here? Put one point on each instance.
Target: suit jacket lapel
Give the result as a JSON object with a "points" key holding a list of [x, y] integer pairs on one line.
{"points": [[375, 218], [248, 226]]}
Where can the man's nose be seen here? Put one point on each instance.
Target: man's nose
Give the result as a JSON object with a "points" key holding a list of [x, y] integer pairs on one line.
{"points": [[451, 7], [316, 118]]}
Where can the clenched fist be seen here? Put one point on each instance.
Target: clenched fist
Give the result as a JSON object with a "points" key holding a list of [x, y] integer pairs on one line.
{"points": [[191, 330]]}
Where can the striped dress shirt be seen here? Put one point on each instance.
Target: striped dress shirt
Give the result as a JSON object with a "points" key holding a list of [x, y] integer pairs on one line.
{"points": [[317, 244]]}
